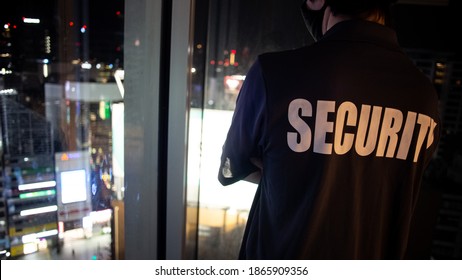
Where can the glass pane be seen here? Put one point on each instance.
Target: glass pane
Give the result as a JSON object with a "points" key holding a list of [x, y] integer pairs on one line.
{"points": [[236, 32], [61, 121]]}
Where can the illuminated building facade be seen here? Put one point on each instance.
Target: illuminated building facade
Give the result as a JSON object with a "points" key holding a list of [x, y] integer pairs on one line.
{"points": [[47, 47]]}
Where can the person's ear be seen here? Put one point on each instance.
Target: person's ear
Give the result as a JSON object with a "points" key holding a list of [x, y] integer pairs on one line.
{"points": [[315, 5]]}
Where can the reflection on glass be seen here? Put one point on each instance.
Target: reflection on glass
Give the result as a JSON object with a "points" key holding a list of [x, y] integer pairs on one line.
{"points": [[57, 90], [235, 33]]}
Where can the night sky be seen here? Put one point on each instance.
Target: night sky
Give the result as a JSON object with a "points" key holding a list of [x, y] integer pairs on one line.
{"points": [[418, 26], [430, 27], [104, 22]]}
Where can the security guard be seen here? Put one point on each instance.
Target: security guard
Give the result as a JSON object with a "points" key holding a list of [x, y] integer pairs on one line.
{"points": [[337, 134]]}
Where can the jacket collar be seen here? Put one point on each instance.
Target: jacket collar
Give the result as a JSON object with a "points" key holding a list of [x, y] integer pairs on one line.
{"points": [[363, 31]]}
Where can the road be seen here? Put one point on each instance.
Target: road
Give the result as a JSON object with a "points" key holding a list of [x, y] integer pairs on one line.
{"points": [[76, 247]]}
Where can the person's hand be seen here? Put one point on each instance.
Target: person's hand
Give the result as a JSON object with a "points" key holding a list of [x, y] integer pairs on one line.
{"points": [[256, 176], [257, 162]]}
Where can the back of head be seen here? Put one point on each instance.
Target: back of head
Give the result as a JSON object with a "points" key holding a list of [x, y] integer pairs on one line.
{"points": [[358, 7], [375, 10], [372, 10]]}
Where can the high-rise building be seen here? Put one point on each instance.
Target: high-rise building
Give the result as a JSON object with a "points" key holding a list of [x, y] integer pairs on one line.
{"points": [[444, 176], [28, 179], [47, 45], [4, 239]]}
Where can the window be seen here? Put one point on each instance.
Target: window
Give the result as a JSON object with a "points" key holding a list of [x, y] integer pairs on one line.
{"points": [[225, 46], [58, 61]]}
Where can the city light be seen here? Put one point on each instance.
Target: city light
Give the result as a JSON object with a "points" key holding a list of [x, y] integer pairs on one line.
{"points": [[119, 76], [29, 248], [234, 82], [39, 185], [31, 20], [232, 57], [40, 210], [4, 71], [47, 44], [28, 238], [34, 236], [101, 216], [86, 65], [45, 70], [37, 194], [9, 91]]}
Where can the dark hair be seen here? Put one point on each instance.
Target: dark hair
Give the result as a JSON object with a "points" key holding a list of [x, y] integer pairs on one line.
{"points": [[358, 7]]}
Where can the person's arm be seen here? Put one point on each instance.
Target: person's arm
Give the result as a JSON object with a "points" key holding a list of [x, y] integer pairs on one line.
{"points": [[241, 158], [255, 177]]}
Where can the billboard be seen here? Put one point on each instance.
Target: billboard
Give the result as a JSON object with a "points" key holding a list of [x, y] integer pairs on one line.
{"points": [[73, 187]]}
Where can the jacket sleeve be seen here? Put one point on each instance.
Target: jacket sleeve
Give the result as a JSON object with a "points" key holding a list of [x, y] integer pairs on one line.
{"points": [[244, 135]]}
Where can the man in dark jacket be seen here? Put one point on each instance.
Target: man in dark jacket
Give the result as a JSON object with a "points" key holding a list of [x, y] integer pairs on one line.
{"points": [[337, 135]]}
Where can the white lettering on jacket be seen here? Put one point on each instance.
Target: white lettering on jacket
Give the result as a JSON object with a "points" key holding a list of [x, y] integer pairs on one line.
{"points": [[387, 132]]}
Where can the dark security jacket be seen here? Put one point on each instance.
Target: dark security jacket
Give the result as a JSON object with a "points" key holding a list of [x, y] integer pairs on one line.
{"points": [[345, 129]]}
